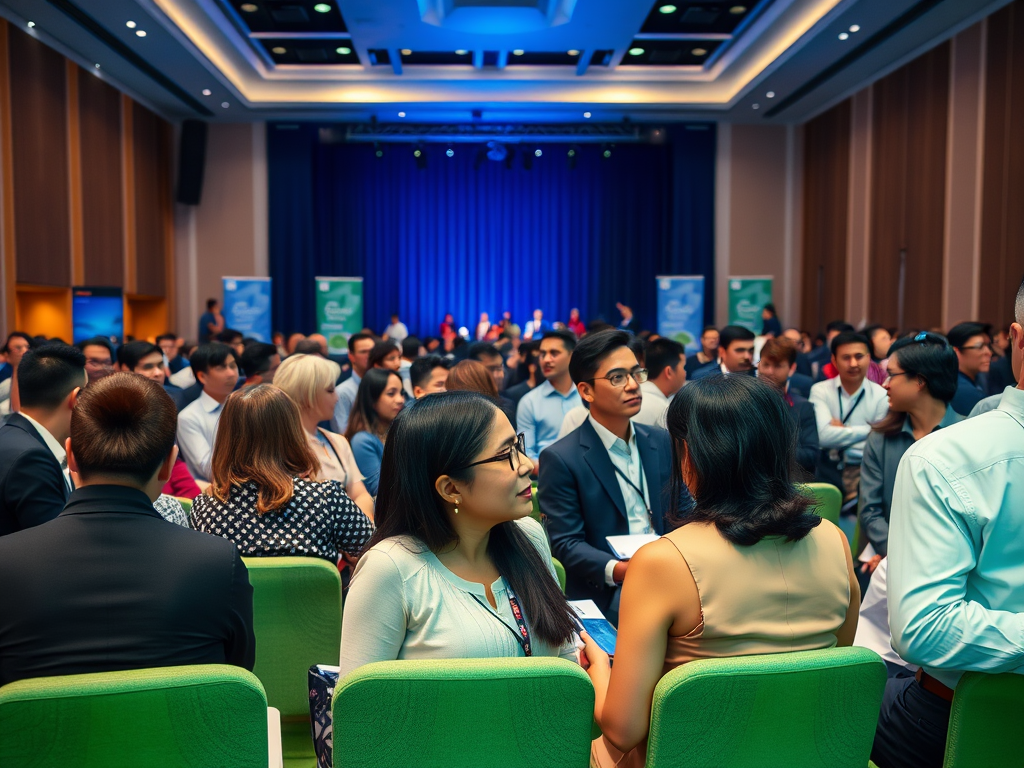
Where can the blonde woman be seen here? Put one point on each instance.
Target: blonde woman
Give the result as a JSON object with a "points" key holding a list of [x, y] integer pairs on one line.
{"points": [[309, 381]]}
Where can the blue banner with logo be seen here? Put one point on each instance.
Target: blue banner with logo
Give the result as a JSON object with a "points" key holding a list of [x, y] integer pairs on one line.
{"points": [[681, 309], [247, 306]]}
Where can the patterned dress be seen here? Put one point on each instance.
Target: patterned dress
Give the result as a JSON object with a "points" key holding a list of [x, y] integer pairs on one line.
{"points": [[319, 520]]}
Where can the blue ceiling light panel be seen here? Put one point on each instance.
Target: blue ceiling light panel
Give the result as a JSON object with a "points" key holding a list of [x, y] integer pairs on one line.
{"points": [[496, 16]]}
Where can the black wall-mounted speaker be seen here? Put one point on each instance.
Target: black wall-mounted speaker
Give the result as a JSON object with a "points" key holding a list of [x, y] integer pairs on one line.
{"points": [[191, 159]]}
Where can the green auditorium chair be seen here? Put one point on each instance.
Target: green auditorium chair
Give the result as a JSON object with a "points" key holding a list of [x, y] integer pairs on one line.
{"points": [[559, 572], [171, 717], [813, 709], [827, 500], [465, 713], [186, 504], [987, 711], [535, 514], [297, 617]]}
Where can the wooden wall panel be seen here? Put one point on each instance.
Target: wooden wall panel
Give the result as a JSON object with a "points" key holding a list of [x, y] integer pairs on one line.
{"points": [[102, 207], [908, 183], [152, 145], [826, 194], [1002, 223], [39, 120]]}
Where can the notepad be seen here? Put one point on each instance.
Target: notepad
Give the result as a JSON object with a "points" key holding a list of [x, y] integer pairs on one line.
{"points": [[624, 547], [596, 625]]}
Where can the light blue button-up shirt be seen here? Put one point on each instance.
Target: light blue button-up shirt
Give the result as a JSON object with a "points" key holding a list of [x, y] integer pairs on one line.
{"points": [[956, 553], [347, 391], [197, 428], [540, 413]]}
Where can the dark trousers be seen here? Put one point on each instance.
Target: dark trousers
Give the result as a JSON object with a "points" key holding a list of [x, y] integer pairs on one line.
{"points": [[912, 727]]}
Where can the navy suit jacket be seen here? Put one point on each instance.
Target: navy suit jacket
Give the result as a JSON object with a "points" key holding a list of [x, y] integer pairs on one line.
{"points": [[32, 485], [580, 496], [807, 448], [716, 370]]}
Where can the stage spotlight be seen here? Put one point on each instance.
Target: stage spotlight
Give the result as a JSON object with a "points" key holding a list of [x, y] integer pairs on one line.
{"points": [[450, 152], [538, 152], [378, 150], [421, 157], [571, 158], [606, 151]]}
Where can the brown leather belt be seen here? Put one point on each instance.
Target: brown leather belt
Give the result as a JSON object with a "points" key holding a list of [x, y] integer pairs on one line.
{"points": [[932, 685]]}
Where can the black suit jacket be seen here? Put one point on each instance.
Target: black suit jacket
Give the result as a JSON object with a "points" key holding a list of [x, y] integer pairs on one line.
{"points": [[580, 496], [110, 585], [807, 448], [33, 489]]}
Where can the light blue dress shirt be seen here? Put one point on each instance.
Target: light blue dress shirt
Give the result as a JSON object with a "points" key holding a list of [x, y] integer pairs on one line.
{"points": [[197, 428], [346, 399], [540, 413], [368, 450], [956, 553]]}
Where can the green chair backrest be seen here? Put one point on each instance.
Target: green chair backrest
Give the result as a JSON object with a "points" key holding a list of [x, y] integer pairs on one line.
{"points": [[297, 620], [535, 514], [559, 572], [208, 715], [987, 711], [186, 504], [814, 709], [464, 713], [828, 500]]}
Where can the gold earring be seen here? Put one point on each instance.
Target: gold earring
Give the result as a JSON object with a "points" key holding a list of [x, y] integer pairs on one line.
{"points": [[456, 507]]}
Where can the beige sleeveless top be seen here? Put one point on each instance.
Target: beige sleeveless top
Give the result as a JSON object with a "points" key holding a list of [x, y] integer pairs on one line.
{"points": [[771, 597]]}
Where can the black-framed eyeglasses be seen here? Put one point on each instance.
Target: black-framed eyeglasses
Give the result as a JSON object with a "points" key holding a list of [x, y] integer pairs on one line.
{"points": [[973, 346], [891, 376], [617, 378], [513, 456]]}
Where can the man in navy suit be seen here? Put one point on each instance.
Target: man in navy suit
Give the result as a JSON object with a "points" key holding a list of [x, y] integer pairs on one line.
{"points": [[608, 477], [735, 353], [34, 480], [777, 366]]}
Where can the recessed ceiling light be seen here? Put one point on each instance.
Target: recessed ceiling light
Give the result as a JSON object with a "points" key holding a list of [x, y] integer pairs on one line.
{"points": [[96, 65], [343, 50], [538, 152], [699, 51], [586, 115], [278, 50], [844, 35], [207, 92], [401, 114], [249, 7], [322, 8], [31, 24], [636, 51], [736, 10], [855, 28], [130, 24], [518, 52], [755, 105], [140, 32], [573, 52], [406, 51], [770, 94], [225, 104], [461, 52], [667, 9]]}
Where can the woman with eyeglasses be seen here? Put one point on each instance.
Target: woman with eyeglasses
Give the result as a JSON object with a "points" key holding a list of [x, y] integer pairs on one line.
{"points": [[457, 568]]}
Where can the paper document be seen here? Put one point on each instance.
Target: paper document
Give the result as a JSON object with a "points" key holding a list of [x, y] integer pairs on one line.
{"points": [[624, 547], [867, 554], [596, 625]]}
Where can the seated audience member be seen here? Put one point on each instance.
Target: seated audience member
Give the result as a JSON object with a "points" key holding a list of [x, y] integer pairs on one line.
{"points": [[528, 372], [750, 570], [234, 339], [359, 346], [181, 483], [259, 363], [216, 369], [277, 339], [540, 412], [397, 332], [109, 585], [211, 322], [308, 347], [309, 381], [974, 356], [845, 408], [992, 401], [428, 374], [262, 495], [489, 356], [536, 327], [385, 355], [378, 401], [776, 366], [173, 359], [473, 376], [1000, 375], [576, 416], [17, 345], [922, 380], [575, 324], [735, 354], [483, 327], [666, 374], [770, 326], [321, 340], [292, 342], [955, 583], [410, 351], [457, 568], [432, 345], [99, 357], [707, 355], [814, 361], [608, 476], [147, 360], [881, 340], [34, 480]]}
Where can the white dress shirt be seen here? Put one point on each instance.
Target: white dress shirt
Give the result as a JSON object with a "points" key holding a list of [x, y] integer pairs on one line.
{"points": [[654, 407], [55, 448], [397, 332], [197, 429], [573, 420], [831, 401]]}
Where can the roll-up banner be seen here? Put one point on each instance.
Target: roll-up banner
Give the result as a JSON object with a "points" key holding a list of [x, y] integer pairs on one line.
{"points": [[339, 310], [681, 309], [247, 306], [747, 297]]}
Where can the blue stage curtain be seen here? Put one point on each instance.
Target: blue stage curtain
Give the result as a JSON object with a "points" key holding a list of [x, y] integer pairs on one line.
{"points": [[462, 239]]}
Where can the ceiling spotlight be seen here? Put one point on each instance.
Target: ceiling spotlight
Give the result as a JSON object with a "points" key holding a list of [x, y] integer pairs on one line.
{"points": [[225, 104], [461, 52], [586, 115], [572, 153], [770, 94], [407, 52], [844, 35], [518, 52], [636, 51], [401, 114], [249, 7], [278, 50], [130, 24], [207, 92], [343, 50], [699, 51], [755, 105], [417, 153], [538, 152], [855, 28], [606, 153], [573, 52], [140, 32], [736, 10], [421, 157], [322, 8], [570, 160], [31, 24], [450, 152], [667, 9]]}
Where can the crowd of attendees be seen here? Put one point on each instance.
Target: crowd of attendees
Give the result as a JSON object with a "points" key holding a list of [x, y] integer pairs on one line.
{"points": [[412, 462]]}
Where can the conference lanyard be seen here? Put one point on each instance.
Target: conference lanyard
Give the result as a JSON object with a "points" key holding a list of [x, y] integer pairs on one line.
{"points": [[853, 407], [523, 635]]}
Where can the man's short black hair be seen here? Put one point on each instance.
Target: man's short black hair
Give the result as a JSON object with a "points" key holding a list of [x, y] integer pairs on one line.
{"points": [[49, 374], [229, 336], [359, 337], [709, 328], [592, 349], [211, 303], [849, 337], [308, 347], [18, 335], [568, 338], [961, 333], [97, 341], [839, 326], [661, 354], [478, 350], [411, 347], [422, 367], [211, 355], [167, 335], [130, 355], [256, 358], [733, 333]]}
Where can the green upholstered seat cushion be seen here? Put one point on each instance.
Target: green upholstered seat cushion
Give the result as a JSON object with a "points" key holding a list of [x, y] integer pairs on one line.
{"points": [[828, 500], [208, 715], [810, 709], [477, 713], [987, 711]]}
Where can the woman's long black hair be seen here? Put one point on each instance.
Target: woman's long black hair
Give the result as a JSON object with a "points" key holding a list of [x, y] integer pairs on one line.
{"points": [[430, 438], [742, 446]]}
